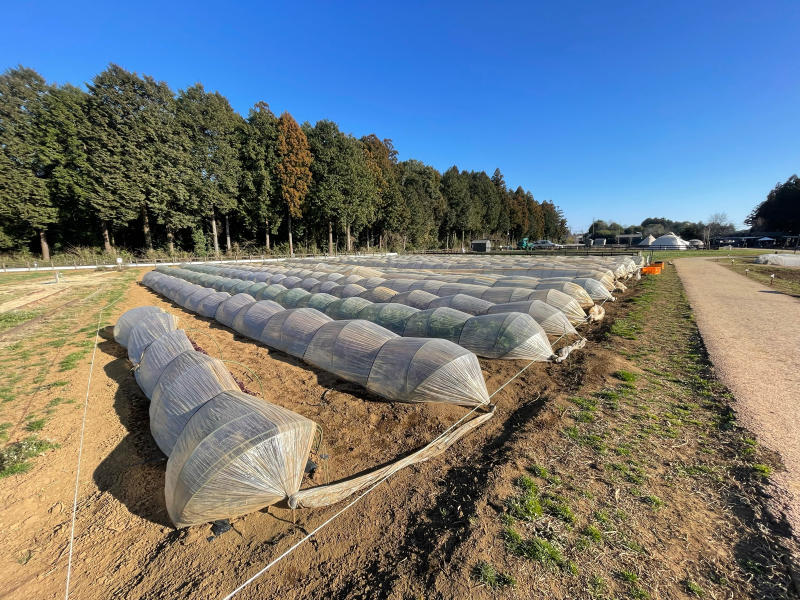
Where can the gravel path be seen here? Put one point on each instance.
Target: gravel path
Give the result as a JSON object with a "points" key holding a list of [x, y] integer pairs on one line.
{"points": [[753, 338]]}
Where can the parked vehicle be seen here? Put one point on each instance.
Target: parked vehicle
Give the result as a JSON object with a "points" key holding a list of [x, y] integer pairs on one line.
{"points": [[544, 245]]}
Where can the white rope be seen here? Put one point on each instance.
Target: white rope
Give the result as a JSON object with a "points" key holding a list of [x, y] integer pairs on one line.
{"points": [[358, 498], [80, 450]]}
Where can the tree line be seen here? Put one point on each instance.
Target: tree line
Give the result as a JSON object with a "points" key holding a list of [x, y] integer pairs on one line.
{"points": [[717, 224], [780, 212], [129, 163]]}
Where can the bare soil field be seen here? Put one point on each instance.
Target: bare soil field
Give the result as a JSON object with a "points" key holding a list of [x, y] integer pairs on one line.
{"points": [[619, 473]]}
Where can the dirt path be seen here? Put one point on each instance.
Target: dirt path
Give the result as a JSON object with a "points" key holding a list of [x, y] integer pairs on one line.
{"points": [[752, 334]]}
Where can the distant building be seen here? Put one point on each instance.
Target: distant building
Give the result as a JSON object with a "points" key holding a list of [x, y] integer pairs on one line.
{"points": [[480, 245]]}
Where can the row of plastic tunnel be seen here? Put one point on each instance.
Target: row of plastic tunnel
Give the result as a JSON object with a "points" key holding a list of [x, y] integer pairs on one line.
{"points": [[230, 453]]}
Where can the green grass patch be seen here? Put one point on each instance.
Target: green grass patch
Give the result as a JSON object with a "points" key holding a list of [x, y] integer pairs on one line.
{"points": [[537, 549], [35, 425], [763, 471], [694, 589], [593, 533], [7, 394], [626, 376], [525, 505], [653, 501], [557, 506], [56, 401], [486, 574], [584, 403], [12, 318], [598, 586], [71, 360], [592, 440], [15, 458], [543, 473]]}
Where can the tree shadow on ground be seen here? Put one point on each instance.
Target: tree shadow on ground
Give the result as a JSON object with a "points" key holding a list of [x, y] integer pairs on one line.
{"points": [[133, 472]]}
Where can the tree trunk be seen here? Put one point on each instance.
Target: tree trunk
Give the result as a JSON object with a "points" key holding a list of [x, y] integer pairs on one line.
{"points": [[330, 237], [291, 245], [214, 231], [462, 241], [148, 238], [369, 234], [227, 235], [45, 247], [266, 223], [404, 243], [170, 241], [380, 243], [107, 239], [349, 241]]}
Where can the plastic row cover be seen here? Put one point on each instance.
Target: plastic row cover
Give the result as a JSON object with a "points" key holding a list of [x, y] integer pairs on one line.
{"points": [[403, 369], [229, 453], [544, 305], [483, 264], [509, 335], [783, 260], [355, 285], [139, 327]]}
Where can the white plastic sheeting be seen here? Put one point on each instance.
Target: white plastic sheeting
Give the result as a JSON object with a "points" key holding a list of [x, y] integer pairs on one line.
{"points": [[541, 307], [306, 333], [230, 453], [519, 336], [236, 454], [782, 260]]}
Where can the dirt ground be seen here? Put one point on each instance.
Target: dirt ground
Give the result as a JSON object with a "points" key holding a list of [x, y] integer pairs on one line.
{"points": [[752, 334], [644, 461]]}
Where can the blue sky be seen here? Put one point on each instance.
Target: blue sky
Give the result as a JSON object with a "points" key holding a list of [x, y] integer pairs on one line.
{"points": [[618, 110]]}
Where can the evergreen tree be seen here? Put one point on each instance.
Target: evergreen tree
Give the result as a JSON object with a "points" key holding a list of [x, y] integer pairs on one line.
{"points": [[25, 204], [293, 169], [64, 129], [780, 211], [258, 188], [455, 190], [519, 214], [135, 152], [391, 212], [213, 129], [343, 188], [421, 188], [503, 226]]}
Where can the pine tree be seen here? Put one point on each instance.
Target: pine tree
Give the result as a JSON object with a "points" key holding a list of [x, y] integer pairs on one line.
{"points": [[293, 169], [25, 205]]}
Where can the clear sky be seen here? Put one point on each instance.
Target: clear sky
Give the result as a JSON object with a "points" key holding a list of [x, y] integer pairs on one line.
{"points": [[613, 110]]}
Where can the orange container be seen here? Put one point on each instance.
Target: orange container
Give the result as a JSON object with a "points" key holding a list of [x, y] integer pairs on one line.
{"points": [[652, 270]]}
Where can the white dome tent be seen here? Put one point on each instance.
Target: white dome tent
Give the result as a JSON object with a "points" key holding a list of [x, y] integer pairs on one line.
{"points": [[648, 240], [670, 241]]}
